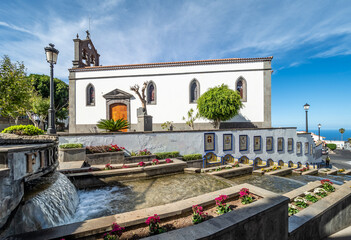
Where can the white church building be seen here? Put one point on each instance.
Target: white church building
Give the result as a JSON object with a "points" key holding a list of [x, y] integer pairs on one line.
{"points": [[103, 92]]}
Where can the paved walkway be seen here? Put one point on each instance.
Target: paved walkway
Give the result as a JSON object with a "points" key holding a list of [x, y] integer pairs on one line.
{"points": [[340, 159], [344, 234]]}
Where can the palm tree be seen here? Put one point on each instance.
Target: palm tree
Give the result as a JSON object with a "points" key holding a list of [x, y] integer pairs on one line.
{"points": [[342, 130]]}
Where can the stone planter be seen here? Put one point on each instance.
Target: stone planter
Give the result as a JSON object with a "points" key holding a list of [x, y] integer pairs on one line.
{"points": [[137, 159], [194, 163], [105, 158], [71, 154]]}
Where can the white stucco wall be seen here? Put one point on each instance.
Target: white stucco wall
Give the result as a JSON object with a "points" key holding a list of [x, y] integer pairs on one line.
{"points": [[172, 85], [191, 142]]}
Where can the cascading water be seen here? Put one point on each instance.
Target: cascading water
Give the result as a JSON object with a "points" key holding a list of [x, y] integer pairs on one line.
{"points": [[50, 203]]}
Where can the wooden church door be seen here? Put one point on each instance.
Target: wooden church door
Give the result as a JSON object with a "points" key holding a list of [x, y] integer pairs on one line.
{"points": [[119, 111]]}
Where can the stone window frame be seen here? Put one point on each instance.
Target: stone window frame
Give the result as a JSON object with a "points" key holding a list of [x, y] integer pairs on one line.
{"points": [[147, 93], [87, 95], [243, 80], [198, 91]]}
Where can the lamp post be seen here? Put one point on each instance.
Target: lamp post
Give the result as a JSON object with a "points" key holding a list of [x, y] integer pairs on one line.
{"points": [[51, 57], [306, 107], [319, 132]]}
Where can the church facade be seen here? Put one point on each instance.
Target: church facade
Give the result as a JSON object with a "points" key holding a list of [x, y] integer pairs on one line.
{"points": [[103, 92]]}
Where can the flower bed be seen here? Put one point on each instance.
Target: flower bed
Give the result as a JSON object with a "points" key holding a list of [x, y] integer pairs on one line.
{"points": [[198, 214], [301, 202]]}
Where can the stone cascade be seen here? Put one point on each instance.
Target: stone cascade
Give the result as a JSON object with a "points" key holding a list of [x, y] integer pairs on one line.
{"points": [[48, 207]]}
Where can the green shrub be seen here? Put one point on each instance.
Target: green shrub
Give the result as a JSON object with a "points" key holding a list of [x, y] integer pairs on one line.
{"points": [[112, 125], [29, 130], [192, 157], [331, 146], [71, 145], [163, 155]]}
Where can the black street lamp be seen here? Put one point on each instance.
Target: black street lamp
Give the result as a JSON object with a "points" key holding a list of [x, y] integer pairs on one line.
{"points": [[306, 107], [51, 57], [319, 132]]}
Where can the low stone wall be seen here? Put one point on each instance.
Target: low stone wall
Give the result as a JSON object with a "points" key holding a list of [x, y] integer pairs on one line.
{"points": [[228, 173], [280, 172], [101, 178], [194, 163], [136, 159], [323, 218], [266, 218], [105, 158]]}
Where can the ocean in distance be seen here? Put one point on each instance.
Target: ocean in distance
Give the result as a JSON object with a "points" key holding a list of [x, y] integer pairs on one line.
{"points": [[332, 134]]}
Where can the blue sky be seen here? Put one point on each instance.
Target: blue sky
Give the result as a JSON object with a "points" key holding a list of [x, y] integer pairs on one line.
{"points": [[310, 42]]}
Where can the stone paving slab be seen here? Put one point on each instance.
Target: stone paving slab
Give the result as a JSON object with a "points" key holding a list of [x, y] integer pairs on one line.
{"points": [[346, 172], [64, 166], [280, 172], [325, 173], [192, 170], [311, 172], [344, 234], [233, 171], [103, 224]]}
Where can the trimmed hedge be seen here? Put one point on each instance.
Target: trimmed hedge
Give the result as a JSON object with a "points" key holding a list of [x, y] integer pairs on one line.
{"points": [[29, 130], [331, 146], [71, 145], [190, 157], [163, 155]]}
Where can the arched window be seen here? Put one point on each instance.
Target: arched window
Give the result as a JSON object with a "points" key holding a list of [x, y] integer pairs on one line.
{"points": [[151, 93], [194, 91], [90, 95], [241, 87]]}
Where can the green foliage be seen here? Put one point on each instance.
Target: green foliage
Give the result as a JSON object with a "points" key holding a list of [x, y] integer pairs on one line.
{"points": [[342, 130], [189, 157], [311, 198], [163, 155], [191, 118], [41, 84], [112, 125], [23, 130], [331, 146], [292, 210], [167, 125], [15, 89], [40, 107], [71, 145], [219, 104], [349, 140]]}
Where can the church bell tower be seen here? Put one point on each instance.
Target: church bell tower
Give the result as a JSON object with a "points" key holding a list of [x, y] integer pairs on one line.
{"points": [[85, 54]]}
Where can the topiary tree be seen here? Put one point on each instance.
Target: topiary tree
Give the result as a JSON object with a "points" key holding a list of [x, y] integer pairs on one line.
{"points": [[342, 130], [219, 104]]}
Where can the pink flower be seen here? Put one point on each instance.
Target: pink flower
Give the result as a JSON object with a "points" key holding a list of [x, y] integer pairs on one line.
{"points": [[125, 166], [168, 160], [155, 161], [220, 200], [141, 164]]}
